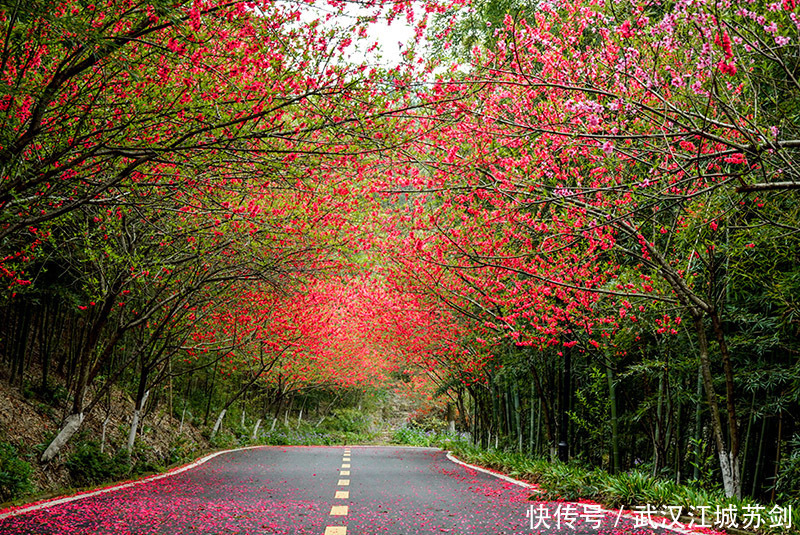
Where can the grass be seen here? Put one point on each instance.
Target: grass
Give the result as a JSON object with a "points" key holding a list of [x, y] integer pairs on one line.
{"points": [[573, 481]]}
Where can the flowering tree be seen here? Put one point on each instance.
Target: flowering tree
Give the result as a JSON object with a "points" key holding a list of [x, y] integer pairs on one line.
{"points": [[604, 153], [168, 156]]}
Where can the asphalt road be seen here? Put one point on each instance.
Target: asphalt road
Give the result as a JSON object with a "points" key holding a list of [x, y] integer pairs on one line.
{"points": [[321, 491]]}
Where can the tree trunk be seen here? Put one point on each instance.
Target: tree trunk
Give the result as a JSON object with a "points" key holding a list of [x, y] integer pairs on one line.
{"points": [[517, 416], [777, 456], [563, 431], [612, 397], [698, 425], [730, 402], [746, 444], [288, 410], [103, 435], [759, 462], [183, 417], [75, 419], [728, 458], [657, 435], [70, 427], [255, 429], [217, 424], [546, 412], [451, 419], [137, 412]]}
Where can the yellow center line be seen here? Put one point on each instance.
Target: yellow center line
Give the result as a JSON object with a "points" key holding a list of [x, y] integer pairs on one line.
{"points": [[339, 510]]}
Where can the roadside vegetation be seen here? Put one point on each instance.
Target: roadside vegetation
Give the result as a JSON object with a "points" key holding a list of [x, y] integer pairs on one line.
{"points": [[635, 490]]}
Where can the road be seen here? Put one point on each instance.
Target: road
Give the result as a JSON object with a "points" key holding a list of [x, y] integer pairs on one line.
{"points": [[320, 491]]}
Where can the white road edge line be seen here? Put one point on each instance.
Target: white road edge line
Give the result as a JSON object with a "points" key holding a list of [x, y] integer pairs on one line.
{"points": [[451, 457], [495, 474], [88, 494]]}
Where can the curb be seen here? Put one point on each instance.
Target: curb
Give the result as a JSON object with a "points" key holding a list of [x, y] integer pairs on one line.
{"points": [[504, 477], [90, 493], [685, 530]]}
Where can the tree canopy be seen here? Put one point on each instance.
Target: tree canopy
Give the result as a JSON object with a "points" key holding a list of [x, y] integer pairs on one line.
{"points": [[585, 228]]}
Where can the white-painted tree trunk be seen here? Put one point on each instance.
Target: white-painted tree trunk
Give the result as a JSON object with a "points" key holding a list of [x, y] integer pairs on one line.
{"points": [[731, 474], [255, 429], [132, 430], [242, 417], [137, 414], [103, 437], [70, 427], [274, 422], [218, 423], [183, 417]]}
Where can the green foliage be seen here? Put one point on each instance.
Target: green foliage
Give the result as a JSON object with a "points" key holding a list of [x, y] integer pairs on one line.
{"points": [[630, 488], [430, 423], [15, 474], [224, 439], [471, 26], [347, 420], [145, 460], [415, 436], [182, 450], [90, 466], [787, 486], [410, 436], [308, 434], [594, 403], [572, 481], [705, 463]]}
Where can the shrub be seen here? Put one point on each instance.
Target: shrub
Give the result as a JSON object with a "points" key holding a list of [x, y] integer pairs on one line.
{"points": [[628, 488], [182, 450], [429, 422], [414, 436], [347, 420], [224, 439], [15, 474], [90, 466], [787, 486], [570, 481], [411, 436], [306, 434], [145, 460]]}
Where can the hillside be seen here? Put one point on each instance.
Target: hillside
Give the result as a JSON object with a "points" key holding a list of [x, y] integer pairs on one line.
{"points": [[28, 422]]}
